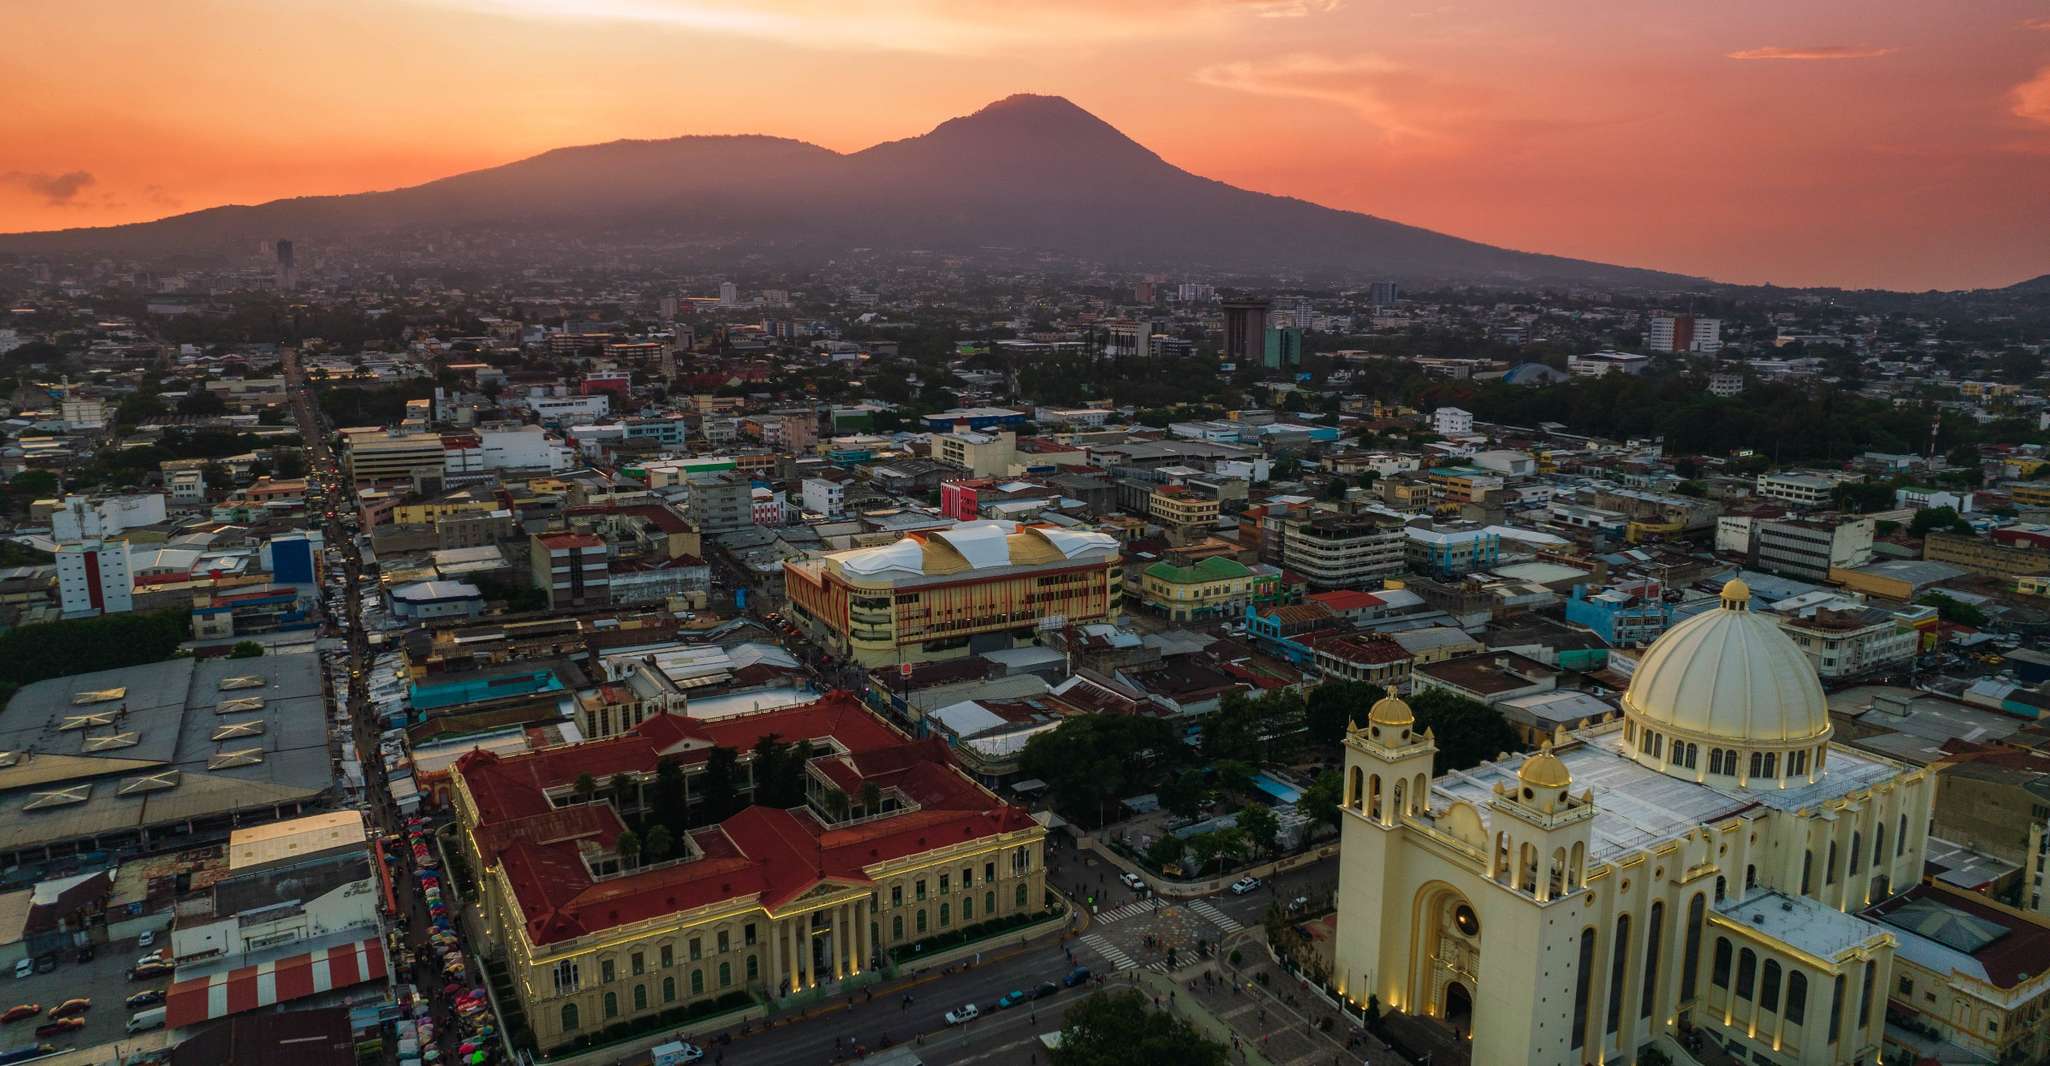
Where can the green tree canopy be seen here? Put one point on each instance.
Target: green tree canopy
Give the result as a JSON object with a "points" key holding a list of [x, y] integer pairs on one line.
{"points": [[1090, 761], [1333, 705], [1261, 827], [1468, 732], [1939, 519], [1122, 1029], [1323, 798]]}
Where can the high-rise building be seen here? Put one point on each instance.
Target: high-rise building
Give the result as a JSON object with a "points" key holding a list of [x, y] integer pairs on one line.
{"points": [[93, 578], [573, 569], [1128, 339], [729, 294], [1245, 329], [1383, 293], [288, 268], [1283, 347], [1684, 333]]}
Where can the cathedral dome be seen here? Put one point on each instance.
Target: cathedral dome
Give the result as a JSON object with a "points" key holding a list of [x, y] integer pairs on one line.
{"points": [[1725, 679], [1544, 770], [1390, 710]]}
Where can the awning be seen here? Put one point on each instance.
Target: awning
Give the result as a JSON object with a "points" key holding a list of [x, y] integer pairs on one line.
{"points": [[278, 981]]}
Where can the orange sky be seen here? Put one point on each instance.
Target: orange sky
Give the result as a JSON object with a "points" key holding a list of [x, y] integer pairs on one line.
{"points": [[1899, 143]]}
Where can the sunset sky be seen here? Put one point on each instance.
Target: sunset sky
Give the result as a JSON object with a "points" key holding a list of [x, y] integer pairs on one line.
{"points": [[1896, 143]]}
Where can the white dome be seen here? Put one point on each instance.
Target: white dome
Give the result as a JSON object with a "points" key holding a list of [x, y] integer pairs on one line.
{"points": [[1729, 675]]}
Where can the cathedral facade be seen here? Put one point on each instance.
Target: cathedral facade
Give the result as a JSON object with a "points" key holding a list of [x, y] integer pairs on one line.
{"points": [[1702, 859]]}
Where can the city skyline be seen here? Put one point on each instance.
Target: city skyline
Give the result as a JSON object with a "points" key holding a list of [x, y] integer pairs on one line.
{"points": [[1747, 145]]}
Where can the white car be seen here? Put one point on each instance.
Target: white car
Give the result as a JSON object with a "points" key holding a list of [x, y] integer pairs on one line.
{"points": [[1244, 885], [1133, 881], [967, 1012]]}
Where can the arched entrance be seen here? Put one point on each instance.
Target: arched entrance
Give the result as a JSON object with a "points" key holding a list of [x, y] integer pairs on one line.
{"points": [[1458, 1008], [1445, 951]]}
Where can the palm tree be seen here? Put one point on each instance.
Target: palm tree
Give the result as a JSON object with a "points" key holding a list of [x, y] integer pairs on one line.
{"points": [[629, 845], [837, 804], [585, 788], [659, 843], [871, 799]]}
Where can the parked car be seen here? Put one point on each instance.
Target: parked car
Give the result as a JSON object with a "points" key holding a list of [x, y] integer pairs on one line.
{"points": [[24, 967], [59, 1026], [1011, 999], [86, 953], [71, 1006], [148, 937], [1244, 885], [146, 997], [149, 973], [20, 1011], [46, 962], [154, 958], [1045, 989], [966, 1012], [1076, 976]]}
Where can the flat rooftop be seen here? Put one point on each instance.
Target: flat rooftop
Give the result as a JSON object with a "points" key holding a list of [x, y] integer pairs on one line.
{"points": [[1799, 921]]}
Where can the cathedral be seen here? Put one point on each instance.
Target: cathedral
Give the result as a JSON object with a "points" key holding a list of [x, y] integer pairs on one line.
{"points": [[1702, 859]]}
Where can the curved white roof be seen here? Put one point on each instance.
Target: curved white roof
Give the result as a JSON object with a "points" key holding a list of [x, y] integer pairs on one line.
{"points": [[1073, 542], [1730, 674], [981, 543], [905, 556]]}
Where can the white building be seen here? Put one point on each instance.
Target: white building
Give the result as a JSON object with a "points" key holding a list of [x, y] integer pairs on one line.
{"points": [[1811, 549], [767, 507], [570, 409], [1923, 499], [83, 412], [1451, 422], [93, 578], [1683, 333], [79, 518], [1599, 364], [729, 294], [1805, 489], [1726, 383], [186, 487], [1853, 641], [824, 497]]}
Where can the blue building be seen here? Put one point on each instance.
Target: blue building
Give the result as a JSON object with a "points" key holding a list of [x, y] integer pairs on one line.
{"points": [[1620, 618], [291, 559], [979, 419]]}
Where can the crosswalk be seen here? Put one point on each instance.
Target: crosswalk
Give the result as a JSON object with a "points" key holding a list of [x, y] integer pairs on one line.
{"points": [[1111, 952], [1144, 906], [1217, 917]]}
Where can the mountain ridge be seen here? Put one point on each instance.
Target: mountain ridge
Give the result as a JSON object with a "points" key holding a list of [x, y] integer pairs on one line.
{"points": [[1027, 172]]}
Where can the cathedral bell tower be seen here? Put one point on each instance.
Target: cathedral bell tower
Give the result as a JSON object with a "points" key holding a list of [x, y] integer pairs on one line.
{"points": [[1387, 778]]}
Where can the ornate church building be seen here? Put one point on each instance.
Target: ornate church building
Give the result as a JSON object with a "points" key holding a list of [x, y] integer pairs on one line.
{"points": [[1701, 859]]}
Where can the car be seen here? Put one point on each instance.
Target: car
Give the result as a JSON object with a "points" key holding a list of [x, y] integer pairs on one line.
{"points": [[46, 963], [148, 937], [154, 958], [1045, 989], [86, 953], [20, 1011], [24, 967], [145, 998], [59, 1026], [1133, 881], [1244, 885], [1076, 976], [1011, 999], [71, 1006], [147, 973], [962, 1015]]}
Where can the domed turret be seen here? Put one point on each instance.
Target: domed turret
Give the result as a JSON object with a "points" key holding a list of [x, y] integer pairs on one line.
{"points": [[1391, 710], [1544, 770]]}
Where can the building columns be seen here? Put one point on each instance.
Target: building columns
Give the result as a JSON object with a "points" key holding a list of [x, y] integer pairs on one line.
{"points": [[772, 948], [834, 963]]}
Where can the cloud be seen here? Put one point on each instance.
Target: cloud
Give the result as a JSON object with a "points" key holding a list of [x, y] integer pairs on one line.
{"points": [[1286, 9], [2031, 99], [55, 189], [1404, 102], [2037, 24], [1814, 53], [158, 195]]}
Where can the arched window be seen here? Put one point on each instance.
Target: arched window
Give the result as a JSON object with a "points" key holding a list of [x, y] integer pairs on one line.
{"points": [[897, 928], [569, 1017], [968, 908], [989, 904], [1757, 764], [1750, 877], [1807, 871], [754, 968], [1747, 972], [946, 915], [1722, 886], [1900, 840], [1879, 844], [640, 997], [1690, 959], [1355, 788], [612, 1004], [1398, 799], [1769, 987], [920, 921], [1374, 795], [1857, 852], [1618, 960], [1772, 759], [1797, 997], [1721, 977], [1583, 986], [1021, 897], [697, 982], [1836, 1008], [1654, 929], [1715, 760], [1829, 868], [725, 975], [1865, 996], [669, 989]]}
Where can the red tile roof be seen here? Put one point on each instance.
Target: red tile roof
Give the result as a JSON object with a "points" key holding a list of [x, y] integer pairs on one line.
{"points": [[763, 853]]}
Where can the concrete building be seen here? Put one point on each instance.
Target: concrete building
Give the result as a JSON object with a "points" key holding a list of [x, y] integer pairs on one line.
{"points": [[1804, 489], [573, 569], [1339, 551], [981, 454], [1622, 618], [1451, 422], [720, 503], [952, 592], [93, 578], [1811, 549], [1695, 861], [424, 601], [1726, 383], [368, 459], [1983, 556], [1683, 333], [1245, 330], [1847, 643], [1600, 364], [1216, 587], [824, 497]]}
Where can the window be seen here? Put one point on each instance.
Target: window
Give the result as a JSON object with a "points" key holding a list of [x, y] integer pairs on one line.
{"points": [[921, 922], [1617, 961], [989, 904], [989, 872], [1857, 852], [697, 982], [725, 975], [1900, 840], [637, 964], [1747, 972], [1829, 868], [697, 947], [669, 989], [1652, 931], [1690, 958], [1769, 986], [567, 978], [897, 928], [605, 971], [1836, 1008], [1807, 871], [1583, 987], [1757, 764], [725, 942], [640, 997], [747, 934], [668, 955], [1021, 897], [967, 877], [1865, 996], [1721, 977], [920, 893], [896, 895], [946, 884], [1878, 844], [1797, 998], [569, 1017], [946, 915], [1772, 759], [612, 1004], [967, 908], [754, 968]]}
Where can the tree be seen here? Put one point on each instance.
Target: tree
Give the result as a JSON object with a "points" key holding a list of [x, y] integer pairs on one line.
{"points": [[626, 792], [1261, 827], [1941, 519], [1255, 729], [1167, 851], [672, 798], [1963, 455], [629, 845], [1334, 705], [33, 484], [1183, 794], [1323, 799], [1468, 732], [57, 649], [660, 843], [246, 649], [585, 788], [1123, 1029], [1089, 760], [722, 784], [1954, 611], [837, 804], [202, 401], [871, 798]]}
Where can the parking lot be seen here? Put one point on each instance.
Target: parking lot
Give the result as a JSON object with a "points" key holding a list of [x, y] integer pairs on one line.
{"points": [[104, 980]]}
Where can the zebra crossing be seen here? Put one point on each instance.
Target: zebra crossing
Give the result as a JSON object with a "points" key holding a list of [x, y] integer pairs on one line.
{"points": [[1111, 952], [1144, 906], [1217, 917]]}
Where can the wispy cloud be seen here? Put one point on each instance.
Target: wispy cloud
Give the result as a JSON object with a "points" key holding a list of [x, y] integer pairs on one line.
{"points": [[1286, 9], [55, 189], [1813, 53], [2031, 99], [2037, 24], [1404, 102]]}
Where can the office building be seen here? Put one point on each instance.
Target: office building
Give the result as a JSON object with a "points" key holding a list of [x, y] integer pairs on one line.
{"points": [[951, 592], [1683, 333], [1808, 490], [371, 458], [573, 569], [287, 266], [720, 503], [1451, 422], [1811, 548], [1599, 364], [1383, 293], [1245, 330], [1342, 551], [93, 578], [1283, 347]]}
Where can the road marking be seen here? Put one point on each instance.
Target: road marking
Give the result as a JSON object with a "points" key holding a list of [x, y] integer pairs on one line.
{"points": [[1111, 952], [1222, 920], [1143, 906]]}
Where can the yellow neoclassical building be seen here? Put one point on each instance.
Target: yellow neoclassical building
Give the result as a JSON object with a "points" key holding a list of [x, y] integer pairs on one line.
{"points": [[1701, 862]]}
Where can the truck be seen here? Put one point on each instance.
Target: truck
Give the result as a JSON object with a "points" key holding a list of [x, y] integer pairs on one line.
{"points": [[24, 1054], [144, 1020]]}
